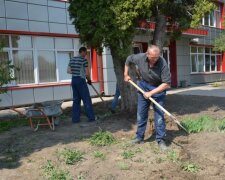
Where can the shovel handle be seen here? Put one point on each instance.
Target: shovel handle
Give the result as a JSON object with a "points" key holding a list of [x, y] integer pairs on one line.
{"points": [[151, 99], [159, 106], [97, 93]]}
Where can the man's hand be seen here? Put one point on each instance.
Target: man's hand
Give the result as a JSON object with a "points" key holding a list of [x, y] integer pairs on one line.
{"points": [[127, 78], [147, 95], [89, 81]]}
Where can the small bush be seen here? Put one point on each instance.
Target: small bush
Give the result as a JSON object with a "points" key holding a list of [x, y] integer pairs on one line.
{"points": [[128, 154], [190, 167], [172, 155], [98, 154], [203, 123], [53, 173], [71, 156], [102, 138]]}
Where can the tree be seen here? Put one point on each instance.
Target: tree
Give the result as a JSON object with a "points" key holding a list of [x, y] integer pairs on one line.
{"points": [[6, 71], [219, 44], [112, 23]]}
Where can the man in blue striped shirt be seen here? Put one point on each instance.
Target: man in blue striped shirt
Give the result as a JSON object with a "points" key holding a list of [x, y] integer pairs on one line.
{"points": [[78, 67]]}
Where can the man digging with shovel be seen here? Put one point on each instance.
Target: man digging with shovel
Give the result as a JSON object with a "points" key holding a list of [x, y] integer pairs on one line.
{"points": [[155, 81]]}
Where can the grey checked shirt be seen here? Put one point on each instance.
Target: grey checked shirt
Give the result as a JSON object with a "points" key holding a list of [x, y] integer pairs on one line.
{"points": [[155, 75]]}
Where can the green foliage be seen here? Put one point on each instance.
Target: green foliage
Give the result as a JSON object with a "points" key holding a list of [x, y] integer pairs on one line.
{"points": [[53, 173], [98, 154], [190, 167], [172, 155], [221, 125], [112, 23], [71, 156], [203, 123], [6, 125], [123, 166], [201, 7], [6, 71], [219, 44], [128, 154], [102, 138], [107, 23]]}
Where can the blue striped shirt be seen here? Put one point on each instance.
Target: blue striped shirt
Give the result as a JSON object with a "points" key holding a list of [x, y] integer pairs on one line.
{"points": [[77, 65]]}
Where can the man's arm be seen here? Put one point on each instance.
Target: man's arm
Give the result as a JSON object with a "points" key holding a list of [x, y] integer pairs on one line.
{"points": [[126, 73], [162, 87], [134, 59]]}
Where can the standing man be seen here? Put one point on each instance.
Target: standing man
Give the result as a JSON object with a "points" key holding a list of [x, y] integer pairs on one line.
{"points": [[155, 80], [78, 67]]}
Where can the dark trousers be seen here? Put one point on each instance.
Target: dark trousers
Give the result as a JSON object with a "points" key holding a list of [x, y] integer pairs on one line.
{"points": [[142, 112], [81, 92]]}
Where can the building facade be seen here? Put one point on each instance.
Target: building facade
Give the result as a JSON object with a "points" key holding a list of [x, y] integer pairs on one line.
{"points": [[39, 39]]}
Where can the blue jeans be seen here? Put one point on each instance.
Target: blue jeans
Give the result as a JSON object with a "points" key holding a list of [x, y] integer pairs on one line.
{"points": [[115, 99], [142, 112], [81, 92]]}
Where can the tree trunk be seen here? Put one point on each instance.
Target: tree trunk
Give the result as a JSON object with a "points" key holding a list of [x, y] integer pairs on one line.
{"points": [[128, 93], [159, 36]]}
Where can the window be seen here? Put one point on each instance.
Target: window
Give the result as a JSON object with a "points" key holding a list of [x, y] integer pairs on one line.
{"points": [[63, 59], [205, 60], [23, 60], [46, 66], [213, 19], [39, 59]]}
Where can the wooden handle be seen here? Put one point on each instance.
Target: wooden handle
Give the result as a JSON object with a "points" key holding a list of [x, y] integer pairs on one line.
{"points": [[150, 98], [97, 93]]}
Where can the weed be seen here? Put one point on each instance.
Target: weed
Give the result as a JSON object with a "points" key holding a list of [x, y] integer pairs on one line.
{"points": [[123, 166], [190, 167], [172, 155], [128, 154], [203, 123], [81, 177], [53, 173], [98, 154], [71, 156], [139, 160], [9, 124], [102, 138], [139, 150], [221, 125], [160, 160]]}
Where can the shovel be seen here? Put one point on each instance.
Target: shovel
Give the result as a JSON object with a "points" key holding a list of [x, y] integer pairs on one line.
{"points": [[97, 93], [159, 106]]}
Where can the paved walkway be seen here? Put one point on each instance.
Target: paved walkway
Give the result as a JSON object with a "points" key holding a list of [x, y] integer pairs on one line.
{"points": [[202, 90]]}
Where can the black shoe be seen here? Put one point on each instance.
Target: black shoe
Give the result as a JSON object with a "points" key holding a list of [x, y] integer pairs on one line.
{"points": [[162, 145], [75, 122], [94, 120], [136, 141], [112, 111]]}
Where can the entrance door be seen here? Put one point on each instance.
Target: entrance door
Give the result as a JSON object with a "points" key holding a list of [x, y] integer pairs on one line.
{"points": [[63, 59], [166, 55]]}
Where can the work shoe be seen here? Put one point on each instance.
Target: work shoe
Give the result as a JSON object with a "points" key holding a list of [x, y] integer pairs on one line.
{"points": [[162, 145], [136, 141]]}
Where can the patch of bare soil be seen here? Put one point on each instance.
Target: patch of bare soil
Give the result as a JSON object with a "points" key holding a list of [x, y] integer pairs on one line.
{"points": [[24, 153]]}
